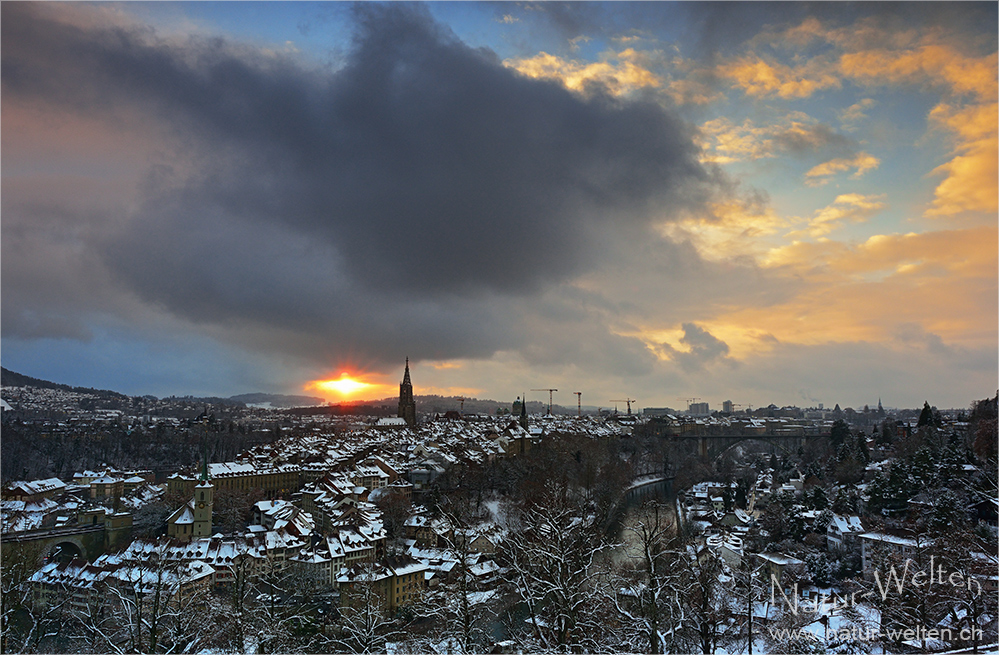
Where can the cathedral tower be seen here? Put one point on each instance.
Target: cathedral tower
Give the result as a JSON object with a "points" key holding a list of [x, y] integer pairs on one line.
{"points": [[407, 405]]}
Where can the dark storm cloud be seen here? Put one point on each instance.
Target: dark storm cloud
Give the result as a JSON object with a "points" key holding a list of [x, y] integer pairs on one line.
{"points": [[414, 189], [703, 349]]}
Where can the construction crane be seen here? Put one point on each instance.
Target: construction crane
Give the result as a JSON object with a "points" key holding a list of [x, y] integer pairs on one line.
{"points": [[462, 399], [579, 402], [689, 400], [628, 400], [550, 391]]}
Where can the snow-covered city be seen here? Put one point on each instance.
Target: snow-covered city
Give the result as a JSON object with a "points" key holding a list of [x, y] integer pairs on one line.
{"points": [[659, 531], [499, 327]]}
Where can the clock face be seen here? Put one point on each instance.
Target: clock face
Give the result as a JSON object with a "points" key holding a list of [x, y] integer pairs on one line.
{"points": [[201, 505]]}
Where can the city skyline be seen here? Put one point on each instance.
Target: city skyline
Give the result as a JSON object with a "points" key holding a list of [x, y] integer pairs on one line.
{"points": [[787, 203]]}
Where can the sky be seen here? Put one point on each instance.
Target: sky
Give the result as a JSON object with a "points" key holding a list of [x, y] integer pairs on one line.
{"points": [[789, 203]]}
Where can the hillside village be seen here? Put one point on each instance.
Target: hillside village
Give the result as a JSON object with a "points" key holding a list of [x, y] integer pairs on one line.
{"points": [[435, 532]]}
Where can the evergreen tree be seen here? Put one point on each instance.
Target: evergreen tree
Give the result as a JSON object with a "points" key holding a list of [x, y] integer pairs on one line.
{"points": [[839, 432], [819, 499], [925, 416]]}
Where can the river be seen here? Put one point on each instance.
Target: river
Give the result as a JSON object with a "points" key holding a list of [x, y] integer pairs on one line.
{"points": [[634, 510]]}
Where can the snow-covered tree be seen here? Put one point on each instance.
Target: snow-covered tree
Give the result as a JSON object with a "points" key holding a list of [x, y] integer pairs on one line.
{"points": [[364, 624], [551, 560], [706, 601], [646, 594]]}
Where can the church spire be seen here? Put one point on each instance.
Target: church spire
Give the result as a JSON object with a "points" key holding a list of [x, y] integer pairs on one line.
{"points": [[407, 403], [204, 460]]}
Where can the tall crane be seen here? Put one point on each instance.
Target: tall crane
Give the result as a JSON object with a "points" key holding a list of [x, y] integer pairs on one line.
{"points": [[689, 400], [550, 391], [579, 402], [628, 400], [462, 399]]}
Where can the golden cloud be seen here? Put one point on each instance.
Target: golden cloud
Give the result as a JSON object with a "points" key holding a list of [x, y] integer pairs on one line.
{"points": [[873, 56], [944, 282], [692, 92], [724, 141], [619, 78], [853, 207], [736, 228], [820, 174]]}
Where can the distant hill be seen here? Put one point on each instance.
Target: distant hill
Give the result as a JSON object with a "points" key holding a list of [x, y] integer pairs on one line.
{"points": [[431, 404], [277, 400], [13, 379]]}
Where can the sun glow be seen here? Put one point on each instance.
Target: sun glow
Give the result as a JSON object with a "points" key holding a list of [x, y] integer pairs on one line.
{"points": [[343, 386]]}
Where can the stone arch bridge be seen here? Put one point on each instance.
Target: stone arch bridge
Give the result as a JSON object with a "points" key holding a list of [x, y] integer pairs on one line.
{"points": [[86, 540], [713, 443]]}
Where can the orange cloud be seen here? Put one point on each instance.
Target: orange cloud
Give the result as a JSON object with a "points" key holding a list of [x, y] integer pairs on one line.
{"points": [[757, 77], [944, 282], [692, 92], [873, 56], [970, 251], [970, 182], [937, 64]]}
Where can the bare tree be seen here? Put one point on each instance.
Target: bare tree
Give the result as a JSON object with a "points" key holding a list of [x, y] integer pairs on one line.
{"points": [[234, 605], [364, 625], [35, 604], [94, 623], [143, 591], [283, 615], [460, 613], [647, 594], [396, 508], [967, 564], [705, 601], [19, 563], [552, 561]]}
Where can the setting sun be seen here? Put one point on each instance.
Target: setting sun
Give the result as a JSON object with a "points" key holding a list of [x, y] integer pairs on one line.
{"points": [[343, 386], [350, 386]]}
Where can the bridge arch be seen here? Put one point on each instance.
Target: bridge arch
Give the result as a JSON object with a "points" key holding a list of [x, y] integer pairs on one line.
{"points": [[65, 550], [711, 446], [777, 443]]}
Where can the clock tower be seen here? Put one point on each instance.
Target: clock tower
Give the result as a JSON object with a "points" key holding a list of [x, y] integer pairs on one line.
{"points": [[202, 502]]}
